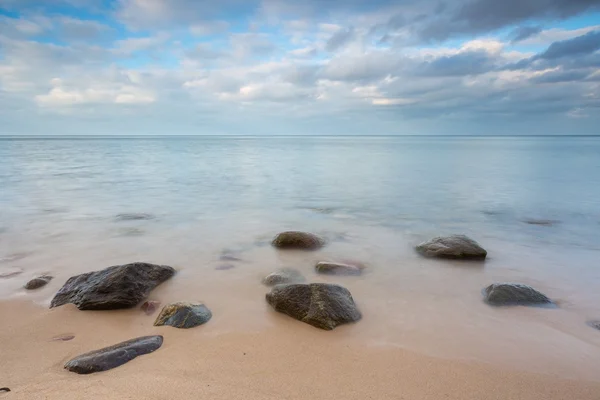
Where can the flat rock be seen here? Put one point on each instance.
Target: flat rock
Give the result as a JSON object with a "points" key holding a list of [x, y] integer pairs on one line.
{"points": [[133, 217], [332, 268], [224, 267], [113, 356], [283, 276], [38, 282], [321, 305], [183, 315], [63, 338], [454, 246], [9, 273], [120, 286], [541, 222], [505, 294], [298, 240]]}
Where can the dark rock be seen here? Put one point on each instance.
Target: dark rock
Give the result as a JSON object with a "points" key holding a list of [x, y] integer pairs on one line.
{"points": [[38, 282], [298, 240], [505, 294], [321, 305], [113, 356], [133, 217], [454, 246], [224, 267], [11, 272], [150, 306], [121, 286], [541, 222], [283, 276], [63, 338], [183, 315], [594, 324], [331, 268], [4, 389]]}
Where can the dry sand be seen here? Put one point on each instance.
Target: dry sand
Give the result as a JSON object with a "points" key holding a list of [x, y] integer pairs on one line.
{"points": [[285, 361]]}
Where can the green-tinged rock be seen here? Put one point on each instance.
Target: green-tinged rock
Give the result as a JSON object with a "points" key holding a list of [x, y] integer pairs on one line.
{"points": [[506, 294], [322, 305], [455, 246], [114, 356], [298, 240], [183, 315], [121, 286], [283, 276]]}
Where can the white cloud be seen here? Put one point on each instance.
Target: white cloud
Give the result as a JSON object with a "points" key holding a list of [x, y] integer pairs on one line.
{"points": [[546, 37]]}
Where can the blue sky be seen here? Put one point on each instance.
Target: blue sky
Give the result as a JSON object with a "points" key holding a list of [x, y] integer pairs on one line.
{"points": [[316, 67]]}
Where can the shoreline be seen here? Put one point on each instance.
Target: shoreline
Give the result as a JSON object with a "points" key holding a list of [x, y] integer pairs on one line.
{"points": [[283, 361]]}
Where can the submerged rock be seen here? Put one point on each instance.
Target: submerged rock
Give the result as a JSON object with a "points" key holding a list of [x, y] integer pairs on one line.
{"points": [[298, 240], [224, 267], [113, 356], [321, 305], [38, 282], [121, 286], [454, 246], [10, 272], [332, 268], [506, 294], [183, 315], [63, 338], [541, 222], [150, 306], [282, 276], [594, 324], [133, 217]]}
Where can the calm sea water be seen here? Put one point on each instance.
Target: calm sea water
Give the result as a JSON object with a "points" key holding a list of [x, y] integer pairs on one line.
{"points": [[374, 198]]}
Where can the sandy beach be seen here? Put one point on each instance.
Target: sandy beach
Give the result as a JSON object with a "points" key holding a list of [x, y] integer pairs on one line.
{"points": [[289, 361]]}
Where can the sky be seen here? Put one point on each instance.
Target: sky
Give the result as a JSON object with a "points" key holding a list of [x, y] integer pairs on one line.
{"points": [[289, 67]]}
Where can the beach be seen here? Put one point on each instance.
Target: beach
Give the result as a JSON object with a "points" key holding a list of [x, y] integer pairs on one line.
{"points": [[71, 207]]}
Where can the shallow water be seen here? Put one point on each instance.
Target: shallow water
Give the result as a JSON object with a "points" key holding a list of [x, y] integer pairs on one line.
{"points": [[69, 205]]}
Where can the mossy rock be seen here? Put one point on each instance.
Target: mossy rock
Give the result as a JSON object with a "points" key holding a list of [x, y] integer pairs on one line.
{"points": [[183, 315], [298, 240]]}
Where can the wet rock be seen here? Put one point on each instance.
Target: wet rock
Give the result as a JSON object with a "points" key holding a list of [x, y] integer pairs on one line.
{"points": [[229, 255], [506, 294], [183, 315], [113, 356], [540, 222], [133, 217], [321, 305], [9, 273], [298, 240], [454, 246], [150, 306], [594, 324], [224, 267], [283, 276], [332, 268], [38, 282], [63, 338], [120, 286], [4, 389]]}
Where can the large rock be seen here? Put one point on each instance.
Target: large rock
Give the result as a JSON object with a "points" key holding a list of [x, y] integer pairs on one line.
{"points": [[38, 282], [318, 304], [455, 246], [113, 356], [506, 294], [183, 315], [283, 276], [298, 240], [594, 324], [332, 268], [121, 286]]}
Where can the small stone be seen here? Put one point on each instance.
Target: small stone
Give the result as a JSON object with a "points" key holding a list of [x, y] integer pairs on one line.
{"points": [[183, 315], [321, 305], [224, 267], [63, 338], [10, 272], [4, 389], [594, 324], [38, 282], [505, 294], [455, 246], [114, 356], [133, 217], [150, 306], [298, 240], [541, 222], [332, 268], [283, 276]]}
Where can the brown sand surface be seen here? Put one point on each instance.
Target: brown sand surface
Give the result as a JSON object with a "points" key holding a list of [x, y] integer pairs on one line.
{"points": [[286, 360]]}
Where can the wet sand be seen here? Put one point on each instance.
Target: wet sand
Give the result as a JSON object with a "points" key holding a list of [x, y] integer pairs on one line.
{"points": [[285, 361]]}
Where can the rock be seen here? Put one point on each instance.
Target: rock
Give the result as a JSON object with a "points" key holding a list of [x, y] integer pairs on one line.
{"points": [[282, 276], [331, 268], [594, 324], [10, 272], [150, 306], [63, 338], [183, 315], [121, 286], [133, 217], [4, 389], [224, 267], [504, 294], [541, 222], [229, 255], [455, 246], [38, 282], [113, 356], [321, 305], [298, 240]]}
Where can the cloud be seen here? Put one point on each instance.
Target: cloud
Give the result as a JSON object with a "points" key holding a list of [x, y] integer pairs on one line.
{"points": [[559, 76], [523, 32], [580, 45], [339, 39]]}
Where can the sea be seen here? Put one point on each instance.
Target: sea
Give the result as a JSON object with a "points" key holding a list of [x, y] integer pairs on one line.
{"points": [[210, 205]]}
